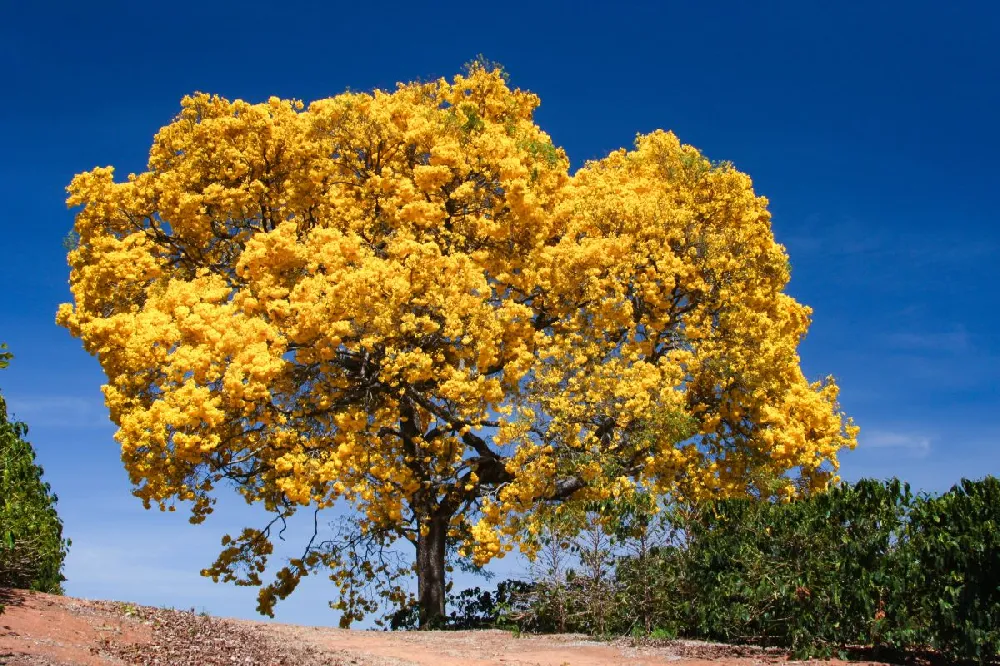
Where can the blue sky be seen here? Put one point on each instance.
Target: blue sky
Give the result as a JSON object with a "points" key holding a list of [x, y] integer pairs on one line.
{"points": [[871, 127]]}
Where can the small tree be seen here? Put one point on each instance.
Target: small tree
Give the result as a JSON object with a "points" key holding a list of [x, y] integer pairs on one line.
{"points": [[595, 585], [647, 545], [546, 604], [31, 545], [405, 302]]}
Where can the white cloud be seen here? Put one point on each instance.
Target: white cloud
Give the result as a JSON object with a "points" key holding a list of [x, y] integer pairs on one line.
{"points": [[912, 444], [162, 569], [124, 565], [955, 341], [59, 412], [135, 574], [880, 246]]}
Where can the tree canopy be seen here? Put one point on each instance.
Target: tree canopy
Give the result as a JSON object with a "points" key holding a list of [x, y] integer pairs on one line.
{"points": [[405, 302], [31, 545]]}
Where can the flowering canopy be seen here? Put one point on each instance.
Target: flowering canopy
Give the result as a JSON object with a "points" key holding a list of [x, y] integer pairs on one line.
{"points": [[405, 301]]}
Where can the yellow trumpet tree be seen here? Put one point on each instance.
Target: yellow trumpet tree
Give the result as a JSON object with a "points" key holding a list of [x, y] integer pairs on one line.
{"points": [[403, 302]]}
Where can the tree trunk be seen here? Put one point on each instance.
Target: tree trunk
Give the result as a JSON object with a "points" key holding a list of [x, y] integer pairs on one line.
{"points": [[430, 573]]}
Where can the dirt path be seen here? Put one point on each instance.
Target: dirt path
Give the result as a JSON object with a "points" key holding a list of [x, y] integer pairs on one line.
{"points": [[46, 630], [489, 648]]}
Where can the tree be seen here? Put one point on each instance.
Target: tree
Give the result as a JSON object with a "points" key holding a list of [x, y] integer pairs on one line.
{"points": [[31, 545], [404, 302]]}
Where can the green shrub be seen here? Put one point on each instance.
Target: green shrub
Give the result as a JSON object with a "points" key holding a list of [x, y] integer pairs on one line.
{"points": [[864, 564], [951, 567], [810, 575], [32, 548]]}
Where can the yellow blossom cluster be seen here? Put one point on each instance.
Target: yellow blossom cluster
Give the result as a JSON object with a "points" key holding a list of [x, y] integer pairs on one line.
{"points": [[404, 300]]}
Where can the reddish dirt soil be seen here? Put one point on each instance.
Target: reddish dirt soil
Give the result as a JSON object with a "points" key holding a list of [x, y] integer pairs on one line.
{"points": [[46, 630]]}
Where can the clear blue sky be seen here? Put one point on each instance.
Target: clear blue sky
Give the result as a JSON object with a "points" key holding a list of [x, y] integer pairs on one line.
{"points": [[872, 127]]}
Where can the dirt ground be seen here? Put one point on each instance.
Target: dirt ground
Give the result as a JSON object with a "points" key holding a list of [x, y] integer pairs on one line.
{"points": [[47, 630]]}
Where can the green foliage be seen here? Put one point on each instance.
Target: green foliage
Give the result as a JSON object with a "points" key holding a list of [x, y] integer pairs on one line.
{"points": [[31, 545], [810, 575], [951, 567], [865, 564], [71, 241], [481, 62], [542, 150]]}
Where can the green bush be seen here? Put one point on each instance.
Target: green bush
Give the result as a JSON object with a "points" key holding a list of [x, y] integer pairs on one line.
{"points": [[865, 564], [811, 575], [951, 568], [32, 548]]}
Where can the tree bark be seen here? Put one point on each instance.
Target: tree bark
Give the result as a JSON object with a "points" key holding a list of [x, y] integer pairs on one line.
{"points": [[431, 574]]}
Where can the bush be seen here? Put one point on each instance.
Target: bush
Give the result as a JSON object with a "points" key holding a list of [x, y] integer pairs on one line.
{"points": [[810, 575], [951, 567], [31, 545], [865, 564]]}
